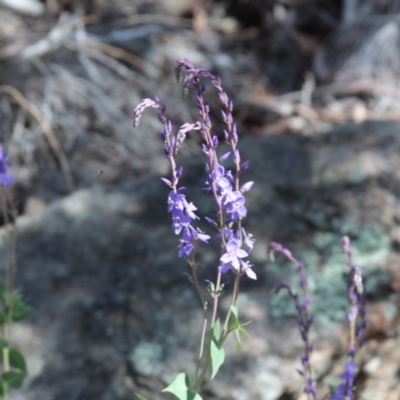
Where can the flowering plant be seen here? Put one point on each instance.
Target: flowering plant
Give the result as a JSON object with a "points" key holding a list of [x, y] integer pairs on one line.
{"points": [[356, 317], [12, 307], [235, 243]]}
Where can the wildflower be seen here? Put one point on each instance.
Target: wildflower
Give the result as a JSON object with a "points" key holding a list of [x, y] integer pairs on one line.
{"points": [[357, 324], [141, 107], [198, 235], [344, 390], [228, 234], [189, 236], [232, 256], [186, 245], [310, 388], [246, 268], [221, 183], [235, 205], [248, 241], [181, 210], [6, 179], [246, 187], [304, 319]]}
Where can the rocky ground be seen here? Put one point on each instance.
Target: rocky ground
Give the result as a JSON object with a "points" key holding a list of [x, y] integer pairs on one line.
{"points": [[112, 312]]}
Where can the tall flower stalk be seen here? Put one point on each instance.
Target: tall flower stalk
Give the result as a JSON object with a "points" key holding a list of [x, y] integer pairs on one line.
{"points": [[224, 186], [12, 307], [357, 324], [304, 317], [356, 318]]}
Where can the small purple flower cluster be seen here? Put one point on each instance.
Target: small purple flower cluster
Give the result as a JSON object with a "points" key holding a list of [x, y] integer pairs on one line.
{"points": [[304, 317], [6, 179], [181, 210], [345, 390], [357, 297], [221, 183], [356, 318], [357, 321]]}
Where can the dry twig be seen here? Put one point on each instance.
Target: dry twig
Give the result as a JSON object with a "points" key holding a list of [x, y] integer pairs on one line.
{"points": [[48, 130]]}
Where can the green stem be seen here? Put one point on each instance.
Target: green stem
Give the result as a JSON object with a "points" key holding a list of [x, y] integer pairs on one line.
{"points": [[216, 297], [6, 358], [235, 293], [196, 281], [10, 239], [203, 335], [199, 381], [204, 305], [6, 368]]}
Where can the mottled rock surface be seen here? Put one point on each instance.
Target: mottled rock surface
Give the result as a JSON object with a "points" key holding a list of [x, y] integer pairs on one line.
{"points": [[113, 313]]}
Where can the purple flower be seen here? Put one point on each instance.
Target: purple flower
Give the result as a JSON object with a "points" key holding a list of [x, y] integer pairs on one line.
{"points": [[228, 233], [232, 256], [344, 390], [235, 205], [141, 107], [189, 236], [245, 165], [246, 268], [357, 324], [221, 183], [197, 235], [186, 245], [246, 187], [310, 388], [248, 241], [5, 178], [181, 211], [224, 157], [304, 319]]}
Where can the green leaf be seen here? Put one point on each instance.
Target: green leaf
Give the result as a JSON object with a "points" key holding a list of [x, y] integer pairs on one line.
{"points": [[235, 317], [241, 329], [3, 291], [180, 388], [14, 379], [139, 396], [217, 357], [217, 330], [3, 317], [235, 311], [20, 310], [239, 342], [17, 360], [3, 343]]}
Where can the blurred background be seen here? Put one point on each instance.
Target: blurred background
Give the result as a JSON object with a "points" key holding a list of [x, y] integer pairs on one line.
{"points": [[316, 92]]}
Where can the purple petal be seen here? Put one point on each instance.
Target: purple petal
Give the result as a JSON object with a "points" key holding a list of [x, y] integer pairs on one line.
{"points": [[246, 187], [250, 274], [224, 157], [241, 253], [166, 181], [224, 268], [226, 258]]}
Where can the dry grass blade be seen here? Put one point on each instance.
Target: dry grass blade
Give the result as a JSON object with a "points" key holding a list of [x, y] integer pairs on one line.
{"points": [[121, 54], [48, 130], [158, 19]]}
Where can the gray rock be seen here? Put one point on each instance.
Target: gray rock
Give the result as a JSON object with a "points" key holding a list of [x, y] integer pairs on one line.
{"points": [[99, 268]]}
